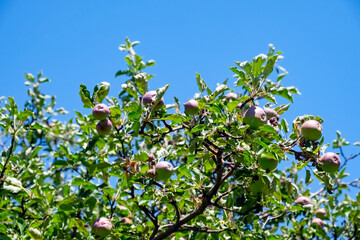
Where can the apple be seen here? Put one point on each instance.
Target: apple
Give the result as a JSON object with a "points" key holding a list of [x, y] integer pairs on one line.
{"points": [[320, 213], [104, 127], [100, 111], [164, 170], [191, 107], [302, 200], [311, 130], [148, 99], [102, 227], [255, 117], [151, 157], [151, 173], [318, 222], [200, 196], [330, 162], [231, 96], [267, 162], [126, 220], [270, 113]]}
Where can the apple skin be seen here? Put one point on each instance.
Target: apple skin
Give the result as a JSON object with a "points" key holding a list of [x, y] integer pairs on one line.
{"points": [[148, 99], [320, 213], [126, 220], [330, 162], [311, 130], [191, 107], [255, 117], [164, 170], [267, 163], [270, 113], [100, 111], [302, 200], [231, 96], [104, 127], [102, 227], [151, 173], [318, 222]]}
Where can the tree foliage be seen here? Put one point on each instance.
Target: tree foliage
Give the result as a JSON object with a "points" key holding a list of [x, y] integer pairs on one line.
{"points": [[57, 178]]}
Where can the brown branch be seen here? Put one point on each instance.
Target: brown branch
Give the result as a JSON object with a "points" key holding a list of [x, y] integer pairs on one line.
{"points": [[205, 229], [177, 210], [10, 150]]}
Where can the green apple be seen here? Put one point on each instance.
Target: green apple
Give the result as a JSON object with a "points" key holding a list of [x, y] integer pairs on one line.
{"points": [[318, 222], [320, 213], [191, 107], [267, 162]]}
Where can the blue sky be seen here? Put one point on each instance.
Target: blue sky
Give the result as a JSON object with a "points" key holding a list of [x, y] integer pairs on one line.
{"points": [[76, 42]]}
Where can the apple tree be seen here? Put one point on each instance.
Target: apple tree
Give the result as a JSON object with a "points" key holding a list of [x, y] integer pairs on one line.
{"points": [[141, 165]]}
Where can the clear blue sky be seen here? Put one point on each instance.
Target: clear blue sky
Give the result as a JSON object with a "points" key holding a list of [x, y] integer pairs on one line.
{"points": [[76, 42]]}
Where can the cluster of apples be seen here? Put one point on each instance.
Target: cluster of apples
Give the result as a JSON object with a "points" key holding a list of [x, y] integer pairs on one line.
{"points": [[102, 226], [101, 112], [312, 130], [163, 170], [320, 214]]}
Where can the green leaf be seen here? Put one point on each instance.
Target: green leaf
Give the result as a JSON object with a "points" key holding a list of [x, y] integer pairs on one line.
{"points": [[301, 165], [130, 88], [35, 151], [219, 89], [282, 108], [246, 66], [269, 67], [103, 91], [85, 97], [141, 82], [270, 97], [285, 93], [308, 175], [160, 93], [202, 84], [284, 125], [258, 61]]}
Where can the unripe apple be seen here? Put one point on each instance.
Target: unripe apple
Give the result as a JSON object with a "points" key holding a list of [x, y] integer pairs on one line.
{"points": [[255, 117], [148, 99], [311, 130], [267, 162], [102, 227], [302, 200], [100, 111], [318, 222], [151, 157], [191, 107], [104, 127], [231, 96], [270, 113], [151, 173], [126, 220], [330, 162], [320, 213], [164, 170]]}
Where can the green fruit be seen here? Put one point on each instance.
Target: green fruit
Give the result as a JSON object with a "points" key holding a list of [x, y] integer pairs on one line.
{"points": [[164, 170], [311, 130], [255, 117], [104, 127], [191, 107], [330, 162], [102, 227], [267, 162], [320, 213]]}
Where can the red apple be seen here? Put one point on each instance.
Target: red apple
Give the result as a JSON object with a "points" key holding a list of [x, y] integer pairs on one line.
{"points": [[330, 162], [231, 96], [191, 107], [104, 127], [255, 117], [102, 227], [311, 130], [100, 111], [302, 200], [148, 98], [164, 170]]}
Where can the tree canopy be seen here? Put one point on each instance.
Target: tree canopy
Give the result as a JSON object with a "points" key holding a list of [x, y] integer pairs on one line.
{"points": [[137, 166]]}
